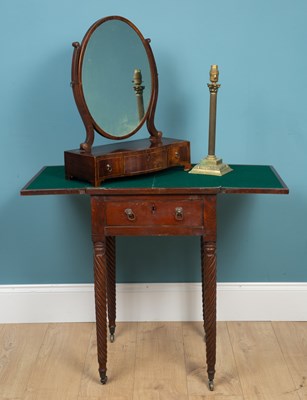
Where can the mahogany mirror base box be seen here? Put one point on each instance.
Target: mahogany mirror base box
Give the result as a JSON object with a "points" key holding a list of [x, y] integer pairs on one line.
{"points": [[129, 158]]}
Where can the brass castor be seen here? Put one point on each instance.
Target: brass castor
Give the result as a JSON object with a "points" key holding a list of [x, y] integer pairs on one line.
{"points": [[103, 377], [112, 333], [211, 385]]}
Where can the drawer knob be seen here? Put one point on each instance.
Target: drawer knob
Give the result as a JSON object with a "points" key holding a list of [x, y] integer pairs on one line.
{"points": [[130, 214], [109, 168], [179, 213]]}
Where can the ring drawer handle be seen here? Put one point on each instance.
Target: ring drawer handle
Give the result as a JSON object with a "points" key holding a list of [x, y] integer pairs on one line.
{"points": [[179, 213], [130, 214]]}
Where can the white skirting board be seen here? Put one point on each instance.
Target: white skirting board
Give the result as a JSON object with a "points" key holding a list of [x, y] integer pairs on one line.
{"points": [[154, 302]]}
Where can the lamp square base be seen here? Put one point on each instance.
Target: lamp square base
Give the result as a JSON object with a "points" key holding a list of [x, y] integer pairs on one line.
{"points": [[211, 165]]}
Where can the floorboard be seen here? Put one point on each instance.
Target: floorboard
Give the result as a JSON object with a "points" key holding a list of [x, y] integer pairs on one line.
{"points": [[263, 371], [154, 361]]}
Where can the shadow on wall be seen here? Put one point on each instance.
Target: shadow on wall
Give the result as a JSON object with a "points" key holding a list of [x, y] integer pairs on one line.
{"points": [[234, 221], [176, 259], [47, 240], [158, 259]]}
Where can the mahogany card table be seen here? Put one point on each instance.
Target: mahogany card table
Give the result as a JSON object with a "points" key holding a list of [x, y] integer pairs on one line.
{"points": [[170, 202]]}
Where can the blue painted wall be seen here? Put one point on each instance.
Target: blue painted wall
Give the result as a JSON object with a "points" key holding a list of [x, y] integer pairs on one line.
{"points": [[260, 47]]}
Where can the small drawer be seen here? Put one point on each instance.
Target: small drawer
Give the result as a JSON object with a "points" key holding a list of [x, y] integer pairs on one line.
{"points": [[157, 159], [150, 213], [178, 153], [149, 160], [110, 167]]}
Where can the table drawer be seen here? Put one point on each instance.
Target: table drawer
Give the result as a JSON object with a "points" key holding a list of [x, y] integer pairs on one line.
{"points": [[141, 213]]}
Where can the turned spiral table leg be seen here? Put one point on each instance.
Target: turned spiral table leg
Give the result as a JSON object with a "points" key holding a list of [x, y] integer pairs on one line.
{"points": [[203, 282], [100, 274], [111, 284], [208, 261], [209, 266], [100, 283]]}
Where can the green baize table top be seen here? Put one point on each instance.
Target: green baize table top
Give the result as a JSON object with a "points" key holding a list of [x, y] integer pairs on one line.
{"points": [[243, 179]]}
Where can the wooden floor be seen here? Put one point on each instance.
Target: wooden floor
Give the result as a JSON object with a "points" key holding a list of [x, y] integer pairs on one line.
{"points": [[154, 361]]}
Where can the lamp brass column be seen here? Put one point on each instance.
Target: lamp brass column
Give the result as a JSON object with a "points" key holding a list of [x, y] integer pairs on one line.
{"points": [[211, 165], [137, 80]]}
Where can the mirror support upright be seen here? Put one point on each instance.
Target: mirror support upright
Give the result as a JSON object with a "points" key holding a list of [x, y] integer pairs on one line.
{"points": [[77, 91]]}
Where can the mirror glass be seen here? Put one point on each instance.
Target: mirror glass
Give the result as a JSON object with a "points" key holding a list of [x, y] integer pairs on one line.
{"points": [[112, 55]]}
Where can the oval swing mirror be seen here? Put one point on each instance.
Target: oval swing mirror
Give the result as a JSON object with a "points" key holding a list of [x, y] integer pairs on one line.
{"points": [[114, 80], [115, 86]]}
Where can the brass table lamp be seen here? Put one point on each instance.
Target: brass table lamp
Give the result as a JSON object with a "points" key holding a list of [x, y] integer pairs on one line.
{"points": [[212, 165]]}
